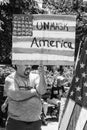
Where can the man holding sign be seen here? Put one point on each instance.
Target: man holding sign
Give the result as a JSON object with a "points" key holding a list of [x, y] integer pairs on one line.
{"points": [[24, 89]]}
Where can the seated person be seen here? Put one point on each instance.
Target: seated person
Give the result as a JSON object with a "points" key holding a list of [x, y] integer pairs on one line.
{"points": [[52, 99], [55, 96]]}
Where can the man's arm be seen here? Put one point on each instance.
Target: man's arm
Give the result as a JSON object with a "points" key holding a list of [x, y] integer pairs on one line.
{"points": [[14, 93], [41, 86]]}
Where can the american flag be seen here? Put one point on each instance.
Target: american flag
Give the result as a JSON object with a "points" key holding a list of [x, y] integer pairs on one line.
{"points": [[75, 112]]}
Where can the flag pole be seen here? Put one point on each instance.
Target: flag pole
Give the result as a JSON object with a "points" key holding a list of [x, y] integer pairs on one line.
{"points": [[77, 58]]}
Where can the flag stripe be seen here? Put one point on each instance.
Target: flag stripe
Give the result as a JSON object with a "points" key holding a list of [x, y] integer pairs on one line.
{"points": [[57, 23], [67, 115], [29, 39], [54, 28], [54, 34], [55, 17], [45, 17], [35, 56], [74, 117], [55, 47], [37, 62], [40, 51], [82, 119]]}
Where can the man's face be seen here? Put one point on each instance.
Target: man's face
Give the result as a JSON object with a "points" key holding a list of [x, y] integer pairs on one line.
{"points": [[23, 70]]}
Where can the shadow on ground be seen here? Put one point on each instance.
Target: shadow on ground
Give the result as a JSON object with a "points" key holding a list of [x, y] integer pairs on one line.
{"points": [[51, 119]]}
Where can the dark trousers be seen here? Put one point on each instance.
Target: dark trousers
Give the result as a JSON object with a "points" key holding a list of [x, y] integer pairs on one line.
{"points": [[20, 125]]}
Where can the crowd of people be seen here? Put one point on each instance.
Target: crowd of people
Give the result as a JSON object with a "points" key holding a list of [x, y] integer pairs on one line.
{"points": [[24, 89]]}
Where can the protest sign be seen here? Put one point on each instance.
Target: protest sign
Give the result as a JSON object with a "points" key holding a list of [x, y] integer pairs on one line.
{"points": [[46, 38]]}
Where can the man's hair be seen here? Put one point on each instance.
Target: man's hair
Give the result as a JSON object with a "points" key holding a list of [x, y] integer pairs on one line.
{"points": [[35, 67]]}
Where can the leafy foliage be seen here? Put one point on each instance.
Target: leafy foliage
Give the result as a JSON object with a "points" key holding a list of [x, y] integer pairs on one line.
{"points": [[6, 34], [5, 70]]}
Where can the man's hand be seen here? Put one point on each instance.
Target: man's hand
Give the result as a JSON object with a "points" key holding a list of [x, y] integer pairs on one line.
{"points": [[41, 88], [3, 107]]}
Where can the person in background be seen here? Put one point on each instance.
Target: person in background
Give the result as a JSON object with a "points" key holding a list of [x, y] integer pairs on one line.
{"points": [[24, 90], [54, 97], [60, 81]]}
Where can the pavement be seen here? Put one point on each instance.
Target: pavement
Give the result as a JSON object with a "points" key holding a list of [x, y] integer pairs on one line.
{"points": [[50, 126]]}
